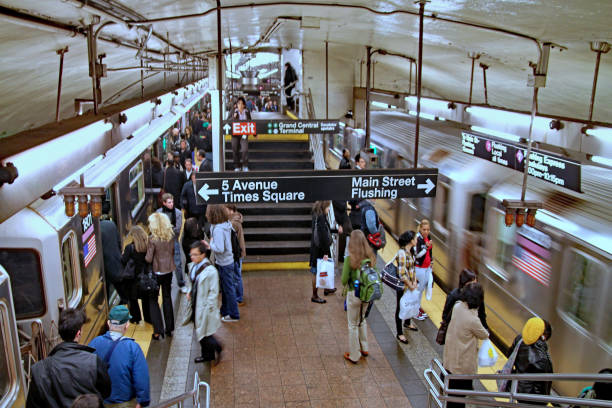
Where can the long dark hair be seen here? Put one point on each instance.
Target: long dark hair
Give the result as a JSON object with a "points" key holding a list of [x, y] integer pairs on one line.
{"points": [[405, 239], [466, 276]]}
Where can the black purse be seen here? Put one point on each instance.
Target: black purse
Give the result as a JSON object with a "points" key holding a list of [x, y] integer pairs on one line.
{"points": [[129, 270], [390, 276], [147, 284]]}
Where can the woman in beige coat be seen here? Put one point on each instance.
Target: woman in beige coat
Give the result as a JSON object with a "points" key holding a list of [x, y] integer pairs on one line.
{"points": [[463, 333], [203, 284]]}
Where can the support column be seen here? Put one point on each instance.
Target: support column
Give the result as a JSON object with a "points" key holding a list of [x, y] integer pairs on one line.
{"points": [[474, 56], [61, 53], [599, 48], [326, 80], [484, 80], [367, 136], [220, 159], [419, 83]]}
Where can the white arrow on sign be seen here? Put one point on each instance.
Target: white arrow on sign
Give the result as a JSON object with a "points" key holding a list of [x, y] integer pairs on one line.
{"points": [[227, 128], [205, 192], [428, 186]]}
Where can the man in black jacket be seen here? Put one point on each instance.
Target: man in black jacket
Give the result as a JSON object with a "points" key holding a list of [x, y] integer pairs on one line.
{"points": [[174, 181], [71, 369]]}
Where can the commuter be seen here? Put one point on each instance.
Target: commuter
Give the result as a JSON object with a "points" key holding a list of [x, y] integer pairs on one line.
{"points": [[160, 253], [176, 158], [173, 181], [206, 164], [343, 220], [157, 173], [71, 369], [355, 214], [359, 252], [345, 162], [360, 162], [289, 82], [202, 140], [88, 401], [424, 262], [370, 225], [176, 219], [405, 270], [187, 172], [127, 366], [192, 233], [136, 251], [533, 357], [203, 281], [221, 246], [240, 144], [251, 106], [599, 391], [184, 152], [111, 253], [464, 331], [465, 277], [274, 106], [321, 232], [236, 220], [174, 138], [190, 205]]}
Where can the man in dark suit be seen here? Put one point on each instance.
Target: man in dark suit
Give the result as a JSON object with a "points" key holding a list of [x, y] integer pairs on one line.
{"points": [[174, 180]]}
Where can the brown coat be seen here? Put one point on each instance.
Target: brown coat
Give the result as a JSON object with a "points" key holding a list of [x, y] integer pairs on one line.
{"points": [[461, 348], [236, 221], [161, 254]]}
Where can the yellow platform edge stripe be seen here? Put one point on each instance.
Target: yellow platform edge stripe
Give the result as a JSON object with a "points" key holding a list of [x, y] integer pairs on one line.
{"points": [[291, 115], [267, 137], [266, 266]]}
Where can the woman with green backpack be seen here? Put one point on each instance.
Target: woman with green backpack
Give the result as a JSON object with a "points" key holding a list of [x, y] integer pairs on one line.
{"points": [[359, 255]]}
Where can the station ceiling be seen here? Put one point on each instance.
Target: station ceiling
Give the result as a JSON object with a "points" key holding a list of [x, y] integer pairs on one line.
{"points": [[29, 72]]}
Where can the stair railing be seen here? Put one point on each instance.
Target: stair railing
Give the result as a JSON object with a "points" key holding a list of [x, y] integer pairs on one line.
{"points": [[193, 395], [437, 381]]}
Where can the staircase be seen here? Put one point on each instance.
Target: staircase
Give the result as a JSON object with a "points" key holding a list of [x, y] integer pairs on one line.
{"points": [[277, 236]]}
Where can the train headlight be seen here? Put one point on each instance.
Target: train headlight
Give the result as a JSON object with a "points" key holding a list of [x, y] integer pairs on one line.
{"points": [[520, 217], [96, 205], [531, 217], [510, 216], [69, 205], [83, 207]]}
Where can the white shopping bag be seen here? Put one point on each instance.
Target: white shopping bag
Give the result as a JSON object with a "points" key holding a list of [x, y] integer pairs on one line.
{"points": [[487, 356], [325, 274], [409, 304], [429, 290]]}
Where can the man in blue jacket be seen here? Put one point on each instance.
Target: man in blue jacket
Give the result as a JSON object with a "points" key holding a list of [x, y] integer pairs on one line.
{"points": [[127, 365]]}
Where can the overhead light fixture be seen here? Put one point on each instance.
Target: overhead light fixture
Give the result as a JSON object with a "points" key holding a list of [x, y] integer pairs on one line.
{"points": [[267, 74], [602, 160], [272, 30], [423, 115], [497, 133], [503, 116], [434, 104], [599, 132]]}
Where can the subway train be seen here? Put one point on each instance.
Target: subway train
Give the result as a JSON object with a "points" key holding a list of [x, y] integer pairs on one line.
{"points": [[559, 270], [55, 261]]}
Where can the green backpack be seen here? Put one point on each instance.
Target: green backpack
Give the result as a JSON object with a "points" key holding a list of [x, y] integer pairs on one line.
{"points": [[370, 288]]}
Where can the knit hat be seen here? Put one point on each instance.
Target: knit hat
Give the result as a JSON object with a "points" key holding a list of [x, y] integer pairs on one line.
{"points": [[533, 330]]}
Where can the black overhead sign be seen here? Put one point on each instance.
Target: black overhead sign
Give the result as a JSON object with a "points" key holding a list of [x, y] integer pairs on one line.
{"points": [[280, 127], [314, 185], [544, 166]]}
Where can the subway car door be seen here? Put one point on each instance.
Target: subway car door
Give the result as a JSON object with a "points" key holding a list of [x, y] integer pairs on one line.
{"points": [[12, 380]]}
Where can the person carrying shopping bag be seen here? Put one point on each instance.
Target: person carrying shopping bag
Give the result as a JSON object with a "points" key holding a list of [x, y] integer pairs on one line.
{"points": [[405, 269], [359, 253], [424, 263]]}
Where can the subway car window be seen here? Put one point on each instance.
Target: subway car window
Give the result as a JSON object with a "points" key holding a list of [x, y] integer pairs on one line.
{"points": [[477, 212], [580, 298], [70, 270], [441, 209], [5, 372], [23, 266], [137, 194], [506, 239]]}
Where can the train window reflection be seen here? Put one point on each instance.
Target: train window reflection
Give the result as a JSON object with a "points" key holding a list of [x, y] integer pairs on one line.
{"points": [[441, 209], [70, 271], [506, 239], [580, 293], [23, 266], [477, 212], [5, 372], [137, 195]]}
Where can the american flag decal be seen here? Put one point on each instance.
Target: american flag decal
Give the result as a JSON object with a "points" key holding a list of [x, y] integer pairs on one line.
{"points": [[531, 265], [89, 249]]}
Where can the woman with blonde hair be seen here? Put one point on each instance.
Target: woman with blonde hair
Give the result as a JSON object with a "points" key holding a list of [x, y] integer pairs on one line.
{"points": [[359, 253], [160, 253]]}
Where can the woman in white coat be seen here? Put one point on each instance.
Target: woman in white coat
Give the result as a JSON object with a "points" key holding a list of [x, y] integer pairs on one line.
{"points": [[203, 284]]}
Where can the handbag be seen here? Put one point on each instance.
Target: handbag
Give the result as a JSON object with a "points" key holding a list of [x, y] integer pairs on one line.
{"points": [[502, 385], [487, 356], [441, 336], [147, 284], [129, 270], [390, 276]]}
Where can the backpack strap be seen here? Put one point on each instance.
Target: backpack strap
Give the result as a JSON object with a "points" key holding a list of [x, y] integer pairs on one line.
{"points": [[110, 351]]}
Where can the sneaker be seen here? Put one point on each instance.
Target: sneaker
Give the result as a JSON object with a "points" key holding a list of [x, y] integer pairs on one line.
{"points": [[422, 316], [245, 168], [184, 290], [228, 319]]}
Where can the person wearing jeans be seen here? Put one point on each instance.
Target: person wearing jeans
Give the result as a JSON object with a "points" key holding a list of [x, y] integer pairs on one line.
{"points": [[221, 246], [236, 220], [176, 219]]}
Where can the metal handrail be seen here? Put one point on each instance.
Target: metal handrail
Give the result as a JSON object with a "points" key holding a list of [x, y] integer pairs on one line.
{"points": [[437, 381], [194, 394]]}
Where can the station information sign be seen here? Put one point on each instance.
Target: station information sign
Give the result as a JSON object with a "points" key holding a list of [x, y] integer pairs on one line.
{"points": [[280, 127], [314, 185], [544, 166]]}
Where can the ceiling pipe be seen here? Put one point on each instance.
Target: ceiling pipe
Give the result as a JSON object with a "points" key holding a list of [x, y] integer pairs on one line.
{"points": [[484, 80], [599, 48], [473, 56], [419, 82]]}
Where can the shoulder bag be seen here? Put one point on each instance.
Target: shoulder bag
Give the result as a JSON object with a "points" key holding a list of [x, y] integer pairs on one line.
{"points": [[147, 284], [502, 385], [390, 275]]}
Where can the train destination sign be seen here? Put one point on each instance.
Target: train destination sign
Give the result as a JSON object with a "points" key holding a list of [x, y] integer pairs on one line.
{"points": [[280, 127], [544, 166], [314, 185]]}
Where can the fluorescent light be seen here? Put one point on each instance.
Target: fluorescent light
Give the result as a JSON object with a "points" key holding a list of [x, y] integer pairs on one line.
{"points": [[423, 115], [233, 75], [512, 118], [433, 104], [380, 105], [600, 132], [602, 160], [267, 74], [497, 133]]}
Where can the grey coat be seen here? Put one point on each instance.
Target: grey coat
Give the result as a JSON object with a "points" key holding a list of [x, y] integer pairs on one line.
{"points": [[207, 315]]}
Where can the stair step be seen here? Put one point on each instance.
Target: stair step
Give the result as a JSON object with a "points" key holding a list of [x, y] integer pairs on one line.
{"points": [[266, 209], [290, 144], [267, 164], [276, 258], [277, 247], [277, 221], [274, 154], [277, 234]]}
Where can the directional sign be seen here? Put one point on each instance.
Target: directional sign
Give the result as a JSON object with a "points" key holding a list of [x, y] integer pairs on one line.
{"points": [[310, 186], [280, 127], [544, 166]]}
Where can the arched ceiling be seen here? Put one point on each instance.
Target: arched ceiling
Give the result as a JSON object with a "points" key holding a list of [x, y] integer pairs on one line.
{"points": [[29, 72]]}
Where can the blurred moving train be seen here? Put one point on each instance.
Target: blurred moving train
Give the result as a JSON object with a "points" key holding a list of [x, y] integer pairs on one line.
{"points": [[558, 270], [55, 261]]}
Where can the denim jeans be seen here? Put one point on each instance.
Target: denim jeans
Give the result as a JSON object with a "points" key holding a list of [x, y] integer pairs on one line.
{"points": [[229, 305], [178, 271], [238, 281]]}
